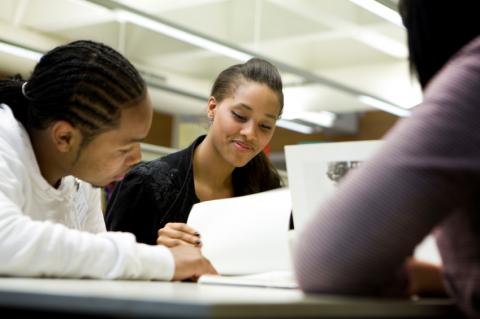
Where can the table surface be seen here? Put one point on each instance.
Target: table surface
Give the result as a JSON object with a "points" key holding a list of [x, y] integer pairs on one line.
{"points": [[137, 299]]}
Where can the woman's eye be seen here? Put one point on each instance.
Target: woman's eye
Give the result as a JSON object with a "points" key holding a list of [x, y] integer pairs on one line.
{"points": [[239, 117]]}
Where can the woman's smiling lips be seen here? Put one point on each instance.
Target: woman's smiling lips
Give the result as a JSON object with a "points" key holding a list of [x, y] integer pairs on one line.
{"points": [[242, 146]]}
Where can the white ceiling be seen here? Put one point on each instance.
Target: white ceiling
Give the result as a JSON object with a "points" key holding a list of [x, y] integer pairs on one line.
{"points": [[332, 39]]}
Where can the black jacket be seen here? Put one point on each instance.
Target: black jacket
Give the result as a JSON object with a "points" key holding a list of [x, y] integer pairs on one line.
{"points": [[153, 194]]}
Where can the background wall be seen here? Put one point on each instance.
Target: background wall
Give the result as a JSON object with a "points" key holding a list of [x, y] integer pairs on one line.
{"points": [[179, 131], [161, 130], [372, 125]]}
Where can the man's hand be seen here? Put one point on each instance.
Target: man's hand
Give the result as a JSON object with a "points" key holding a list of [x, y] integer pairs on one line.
{"points": [[190, 263]]}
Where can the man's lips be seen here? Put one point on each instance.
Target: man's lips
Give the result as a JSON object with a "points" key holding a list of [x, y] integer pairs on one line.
{"points": [[119, 177]]}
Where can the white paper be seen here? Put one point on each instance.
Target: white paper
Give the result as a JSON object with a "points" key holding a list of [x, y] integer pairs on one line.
{"points": [[273, 279], [247, 234]]}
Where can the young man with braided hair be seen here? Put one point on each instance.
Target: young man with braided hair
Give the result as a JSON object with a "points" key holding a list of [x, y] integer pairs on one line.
{"points": [[77, 122]]}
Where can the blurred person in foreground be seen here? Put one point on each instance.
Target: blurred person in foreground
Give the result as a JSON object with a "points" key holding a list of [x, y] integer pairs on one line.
{"points": [[425, 177]]}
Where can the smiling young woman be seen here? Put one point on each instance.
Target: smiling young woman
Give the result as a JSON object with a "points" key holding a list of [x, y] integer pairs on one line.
{"points": [[154, 199]]}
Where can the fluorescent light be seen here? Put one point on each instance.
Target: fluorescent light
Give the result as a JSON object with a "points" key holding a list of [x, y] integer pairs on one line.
{"points": [[322, 118], [19, 51], [380, 10], [383, 106], [129, 14], [383, 43], [179, 34], [297, 127]]}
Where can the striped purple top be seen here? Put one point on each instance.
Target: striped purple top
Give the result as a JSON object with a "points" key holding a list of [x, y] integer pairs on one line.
{"points": [[426, 176]]}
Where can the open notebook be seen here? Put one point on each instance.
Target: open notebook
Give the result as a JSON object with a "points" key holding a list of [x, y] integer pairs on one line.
{"points": [[314, 171], [246, 239]]}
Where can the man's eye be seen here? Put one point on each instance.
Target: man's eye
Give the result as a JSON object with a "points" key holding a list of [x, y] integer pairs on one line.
{"points": [[124, 151], [265, 127]]}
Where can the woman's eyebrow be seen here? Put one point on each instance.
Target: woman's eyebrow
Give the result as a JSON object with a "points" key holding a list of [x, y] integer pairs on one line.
{"points": [[249, 108]]}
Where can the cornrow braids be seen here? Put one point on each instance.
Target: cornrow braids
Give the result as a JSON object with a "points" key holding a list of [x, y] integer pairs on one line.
{"points": [[84, 82]]}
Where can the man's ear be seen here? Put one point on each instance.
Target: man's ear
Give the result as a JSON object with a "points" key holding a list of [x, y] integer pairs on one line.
{"points": [[64, 136], [212, 107]]}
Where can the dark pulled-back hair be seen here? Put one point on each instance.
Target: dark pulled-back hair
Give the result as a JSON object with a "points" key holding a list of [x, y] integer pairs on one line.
{"points": [[436, 31], [258, 174], [254, 70], [84, 82]]}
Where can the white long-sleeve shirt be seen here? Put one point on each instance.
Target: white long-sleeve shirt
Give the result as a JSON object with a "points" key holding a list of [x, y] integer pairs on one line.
{"points": [[61, 232]]}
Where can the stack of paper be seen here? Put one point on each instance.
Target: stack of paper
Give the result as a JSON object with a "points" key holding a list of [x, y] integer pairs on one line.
{"points": [[273, 279]]}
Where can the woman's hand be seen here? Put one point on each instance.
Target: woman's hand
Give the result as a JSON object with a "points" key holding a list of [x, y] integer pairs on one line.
{"points": [[174, 234], [425, 279]]}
